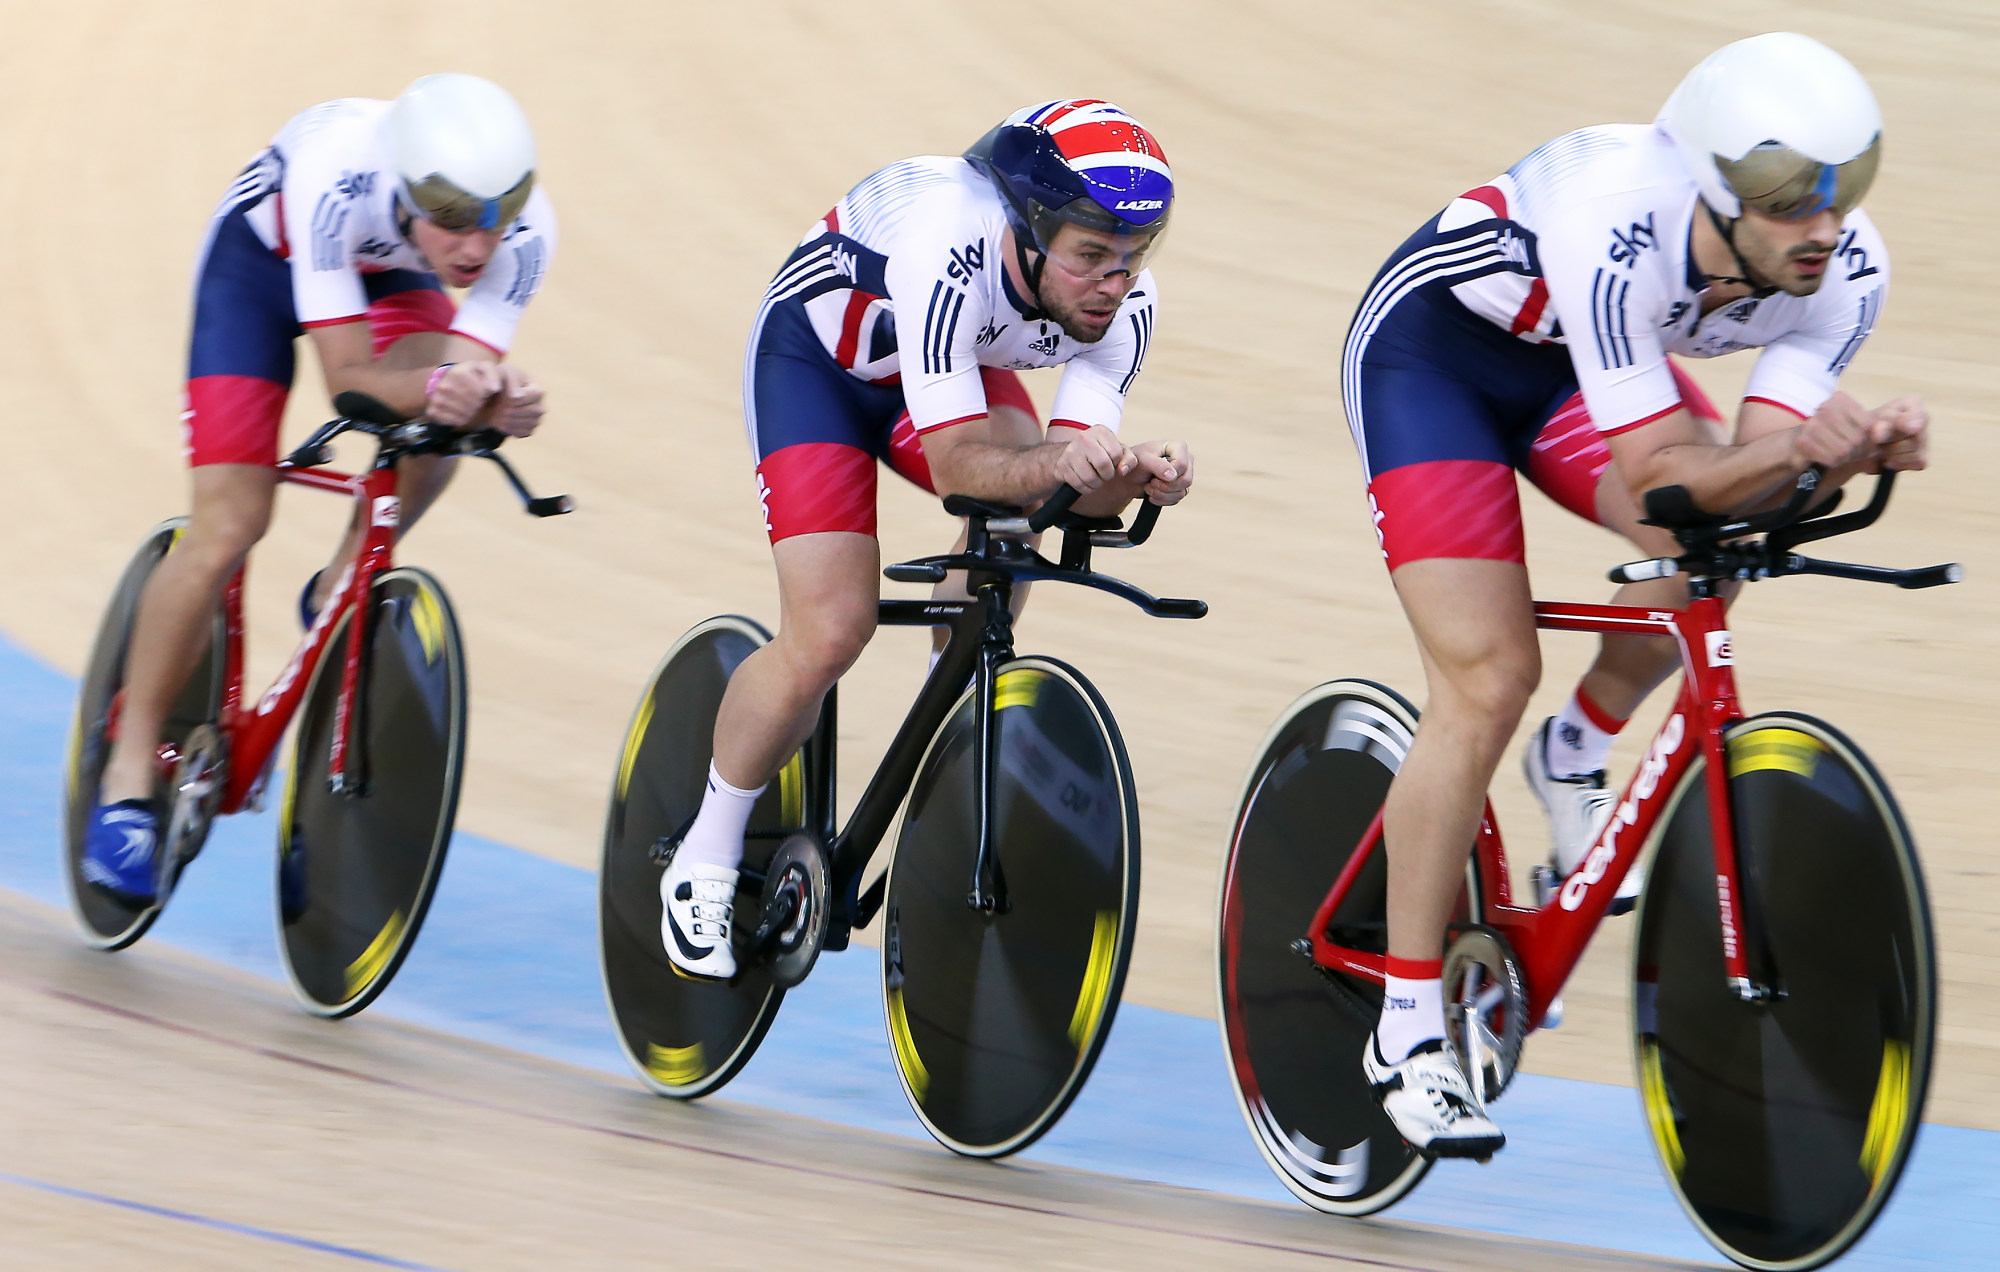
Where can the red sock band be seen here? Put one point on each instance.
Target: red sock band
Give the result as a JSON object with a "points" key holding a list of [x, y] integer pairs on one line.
{"points": [[1413, 968], [1597, 715]]}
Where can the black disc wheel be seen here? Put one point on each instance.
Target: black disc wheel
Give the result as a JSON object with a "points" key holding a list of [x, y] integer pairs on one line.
{"points": [[108, 923], [1783, 1125], [996, 1018], [1294, 1033], [685, 1037], [357, 866]]}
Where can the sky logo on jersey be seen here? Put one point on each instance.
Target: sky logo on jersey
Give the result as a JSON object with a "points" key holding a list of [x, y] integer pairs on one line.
{"points": [[967, 263]]}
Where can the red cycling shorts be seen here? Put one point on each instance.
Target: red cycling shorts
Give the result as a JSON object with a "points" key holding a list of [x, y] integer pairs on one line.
{"points": [[817, 431]]}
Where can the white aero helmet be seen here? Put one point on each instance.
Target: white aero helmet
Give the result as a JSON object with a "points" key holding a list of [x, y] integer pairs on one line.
{"points": [[464, 152], [1778, 123]]}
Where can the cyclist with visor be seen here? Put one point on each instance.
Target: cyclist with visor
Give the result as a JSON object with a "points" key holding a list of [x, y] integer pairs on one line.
{"points": [[347, 228], [893, 333], [1527, 328]]}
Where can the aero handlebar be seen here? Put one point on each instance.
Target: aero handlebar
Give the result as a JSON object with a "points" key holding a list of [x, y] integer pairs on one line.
{"points": [[1720, 547], [361, 413]]}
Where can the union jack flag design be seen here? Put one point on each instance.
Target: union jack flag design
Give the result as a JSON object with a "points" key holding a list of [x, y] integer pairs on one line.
{"points": [[1118, 159]]}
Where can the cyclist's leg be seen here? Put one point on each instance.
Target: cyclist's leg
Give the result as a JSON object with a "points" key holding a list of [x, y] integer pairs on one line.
{"points": [[1570, 462], [1433, 395], [813, 432], [240, 368], [231, 510], [1010, 421], [408, 317]]}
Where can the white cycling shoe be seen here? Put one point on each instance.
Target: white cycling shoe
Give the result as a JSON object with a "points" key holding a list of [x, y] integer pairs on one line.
{"points": [[1430, 1103], [1578, 807], [697, 913]]}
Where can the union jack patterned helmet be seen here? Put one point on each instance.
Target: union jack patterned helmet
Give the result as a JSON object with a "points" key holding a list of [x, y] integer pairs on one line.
{"points": [[1082, 161]]}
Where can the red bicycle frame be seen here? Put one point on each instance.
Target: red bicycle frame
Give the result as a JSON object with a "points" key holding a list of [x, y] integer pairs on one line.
{"points": [[1549, 941], [253, 731]]}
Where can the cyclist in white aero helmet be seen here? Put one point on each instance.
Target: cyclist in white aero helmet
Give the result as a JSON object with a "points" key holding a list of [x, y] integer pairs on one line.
{"points": [[464, 152], [347, 228], [1527, 327], [1782, 126]]}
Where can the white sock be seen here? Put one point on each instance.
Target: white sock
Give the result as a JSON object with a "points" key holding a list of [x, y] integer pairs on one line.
{"points": [[1412, 1015], [1577, 744], [716, 838]]}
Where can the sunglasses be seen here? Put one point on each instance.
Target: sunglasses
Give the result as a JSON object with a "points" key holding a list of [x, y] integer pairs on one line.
{"points": [[450, 208]]}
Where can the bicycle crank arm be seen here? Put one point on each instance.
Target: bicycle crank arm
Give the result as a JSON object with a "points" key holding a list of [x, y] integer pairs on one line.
{"points": [[771, 924]]}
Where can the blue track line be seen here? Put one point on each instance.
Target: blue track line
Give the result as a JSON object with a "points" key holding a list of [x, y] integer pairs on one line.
{"points": [[509, 957], [223, 1225]]}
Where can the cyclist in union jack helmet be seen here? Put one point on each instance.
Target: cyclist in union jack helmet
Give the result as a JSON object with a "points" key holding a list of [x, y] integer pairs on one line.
{"points": [[893, 333], [1527, 328]]}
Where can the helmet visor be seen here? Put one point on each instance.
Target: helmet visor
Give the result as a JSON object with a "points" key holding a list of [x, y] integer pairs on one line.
{"points": [[1777, 181], [1098, 244], [450, 208]]}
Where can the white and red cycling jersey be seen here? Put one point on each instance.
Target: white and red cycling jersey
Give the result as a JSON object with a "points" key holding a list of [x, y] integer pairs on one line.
{"points": [[903, 284], [1534, 316], [323, 196], [1593, 229]]}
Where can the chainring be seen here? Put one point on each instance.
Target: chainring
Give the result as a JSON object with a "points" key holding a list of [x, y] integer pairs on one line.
{"points": [[1486, 1009]]}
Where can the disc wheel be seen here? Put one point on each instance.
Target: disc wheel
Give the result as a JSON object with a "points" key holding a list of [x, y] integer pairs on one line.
{"points": [[684, 1037], [1784, 1126], [357, 867], [996, 1019], [1294, 1033], [106, 923]]}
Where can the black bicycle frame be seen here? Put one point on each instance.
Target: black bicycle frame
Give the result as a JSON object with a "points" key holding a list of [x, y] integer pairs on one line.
{"points": [[982, 638]]}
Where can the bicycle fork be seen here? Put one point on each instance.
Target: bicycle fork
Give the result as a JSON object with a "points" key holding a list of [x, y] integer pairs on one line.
{"points": [[988, 893]]}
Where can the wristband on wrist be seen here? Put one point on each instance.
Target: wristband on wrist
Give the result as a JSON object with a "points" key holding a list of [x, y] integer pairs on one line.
{"points": [[431, 385]]}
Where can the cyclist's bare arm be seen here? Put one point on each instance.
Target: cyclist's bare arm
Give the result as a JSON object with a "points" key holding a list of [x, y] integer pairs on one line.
{"points": [[478, 389], [1772, 446], [964, 459]]}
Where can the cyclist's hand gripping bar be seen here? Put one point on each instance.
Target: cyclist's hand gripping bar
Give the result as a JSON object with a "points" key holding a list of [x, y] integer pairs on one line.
{"points": [[1713, 554]]}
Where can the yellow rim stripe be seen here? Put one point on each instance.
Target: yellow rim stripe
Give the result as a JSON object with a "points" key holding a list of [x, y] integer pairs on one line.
{"points": [[676, 1066], [1889, 1113], [1018, 688], [1096, 979], [1659, 1110], [429, 618], [373, 959], [285, 806], [792, 792], [907, 1058], [632, 741], [1787, 750]]}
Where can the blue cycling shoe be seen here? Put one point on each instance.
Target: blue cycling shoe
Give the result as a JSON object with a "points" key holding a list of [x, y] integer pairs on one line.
{"points": [[306, 611], [292, 895], [119, 851]]}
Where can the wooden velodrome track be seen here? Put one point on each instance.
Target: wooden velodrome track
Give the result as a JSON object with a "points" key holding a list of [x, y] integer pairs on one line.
{"points": [[686, 148]]}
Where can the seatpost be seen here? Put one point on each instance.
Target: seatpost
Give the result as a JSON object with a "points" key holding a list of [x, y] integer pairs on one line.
{"points": [[988, 894]]}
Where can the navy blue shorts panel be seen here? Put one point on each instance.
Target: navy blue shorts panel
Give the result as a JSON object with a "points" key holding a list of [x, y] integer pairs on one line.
{"points": [[1439, 383], [798, 394], [244, 319]]}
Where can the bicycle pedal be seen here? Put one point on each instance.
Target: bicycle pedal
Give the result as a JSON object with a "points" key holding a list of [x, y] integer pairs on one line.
{"points": [[1545, 882]]}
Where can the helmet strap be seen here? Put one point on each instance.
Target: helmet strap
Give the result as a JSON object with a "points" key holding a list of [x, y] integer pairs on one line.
{"points": [[1748, 278], [1031, 274]]}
